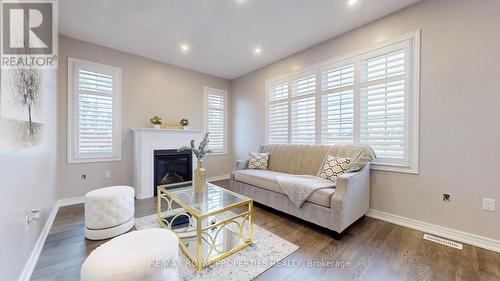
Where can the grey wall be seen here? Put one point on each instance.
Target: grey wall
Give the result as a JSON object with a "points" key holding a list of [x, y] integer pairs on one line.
{"points": [[459, 99], [27, 181], [148, 88]]}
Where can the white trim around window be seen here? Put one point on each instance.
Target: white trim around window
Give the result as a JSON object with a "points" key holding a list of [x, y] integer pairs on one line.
{"points": [[215, 116], [369, 97], [94, 112]]}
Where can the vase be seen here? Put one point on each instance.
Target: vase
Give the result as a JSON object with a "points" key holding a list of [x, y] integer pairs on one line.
{"points": [[200, 178], [157, 126]]}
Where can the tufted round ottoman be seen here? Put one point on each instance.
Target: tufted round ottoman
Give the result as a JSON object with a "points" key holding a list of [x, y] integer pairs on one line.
{"points": [[109, 212], [143, 255]]}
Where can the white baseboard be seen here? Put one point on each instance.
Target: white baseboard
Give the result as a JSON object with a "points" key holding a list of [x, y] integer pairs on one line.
{"points": [[31, 263], [70, 201], [460, 236], [218, 178], [37, 250]]}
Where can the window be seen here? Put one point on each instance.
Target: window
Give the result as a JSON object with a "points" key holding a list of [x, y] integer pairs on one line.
{"points": [[303, 109], [366, 98], [94, 129], [215, 108]]}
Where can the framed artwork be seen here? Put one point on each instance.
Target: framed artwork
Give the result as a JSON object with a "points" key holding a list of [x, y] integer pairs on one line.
{"points": [[21, 114]]}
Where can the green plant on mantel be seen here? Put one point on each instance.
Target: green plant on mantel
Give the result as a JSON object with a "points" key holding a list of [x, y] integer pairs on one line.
{"points": [[184, 122], [155, 120], [199, 152]]}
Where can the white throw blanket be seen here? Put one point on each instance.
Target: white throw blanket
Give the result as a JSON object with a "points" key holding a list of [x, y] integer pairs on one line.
{"points": [[299, 188]]}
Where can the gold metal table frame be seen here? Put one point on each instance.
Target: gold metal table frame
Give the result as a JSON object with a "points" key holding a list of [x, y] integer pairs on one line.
{"points": [[216, 221]]}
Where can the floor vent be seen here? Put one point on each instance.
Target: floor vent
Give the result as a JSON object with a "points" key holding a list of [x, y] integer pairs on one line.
{"points": [[443, 241]]}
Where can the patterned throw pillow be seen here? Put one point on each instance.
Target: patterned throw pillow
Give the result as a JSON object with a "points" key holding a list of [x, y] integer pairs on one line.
{"points": [[258, 160], [333, 167]]}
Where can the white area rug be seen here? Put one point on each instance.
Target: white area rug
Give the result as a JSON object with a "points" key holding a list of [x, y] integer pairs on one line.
{"points": [[267, 250]]}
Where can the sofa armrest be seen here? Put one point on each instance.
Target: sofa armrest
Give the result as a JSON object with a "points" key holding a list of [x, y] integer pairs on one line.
{"points": [[241, 164], [351, 199]]}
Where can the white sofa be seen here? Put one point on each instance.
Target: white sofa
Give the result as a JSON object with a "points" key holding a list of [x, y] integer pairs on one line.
{"points": [[333, 208]]}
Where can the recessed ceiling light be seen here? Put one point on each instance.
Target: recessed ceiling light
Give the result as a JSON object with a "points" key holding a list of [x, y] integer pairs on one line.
{"points": [[352, 2], [185, 48], [257, 50]]}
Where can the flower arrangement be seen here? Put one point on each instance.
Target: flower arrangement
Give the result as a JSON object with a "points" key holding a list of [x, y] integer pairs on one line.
{"points": [[184, 122], [155, 120], [199, 152]]}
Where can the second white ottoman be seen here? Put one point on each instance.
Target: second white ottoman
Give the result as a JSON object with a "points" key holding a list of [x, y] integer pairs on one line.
{"points": [[143, 255], [109, 212]]}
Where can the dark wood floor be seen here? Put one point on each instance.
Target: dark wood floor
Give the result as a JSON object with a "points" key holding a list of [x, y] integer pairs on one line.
{"points": [[370, 250]]}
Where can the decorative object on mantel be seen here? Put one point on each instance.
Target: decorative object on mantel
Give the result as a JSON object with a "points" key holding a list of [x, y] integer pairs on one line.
{"points": [[200, 174], [156, 121], [184, 123]]}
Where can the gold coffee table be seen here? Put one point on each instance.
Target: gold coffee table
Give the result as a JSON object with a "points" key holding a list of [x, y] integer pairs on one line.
{"points": [[211, 225]]}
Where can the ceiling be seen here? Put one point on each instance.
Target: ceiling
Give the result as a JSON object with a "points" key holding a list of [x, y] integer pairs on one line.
{"points": [[222, 34]]}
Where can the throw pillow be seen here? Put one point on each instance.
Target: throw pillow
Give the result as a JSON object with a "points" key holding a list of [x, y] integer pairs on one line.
{"points": [[333, 167], [258, 160]]}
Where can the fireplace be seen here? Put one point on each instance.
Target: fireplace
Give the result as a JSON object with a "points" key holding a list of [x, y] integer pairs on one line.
{"points": [[172, 168]]}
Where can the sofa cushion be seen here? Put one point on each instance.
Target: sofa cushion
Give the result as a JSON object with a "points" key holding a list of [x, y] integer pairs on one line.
{"points": [[258, 160], [333, 167], [267, 180], [296, 159]]}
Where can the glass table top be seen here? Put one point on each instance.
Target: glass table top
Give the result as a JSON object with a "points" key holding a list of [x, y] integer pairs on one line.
{"points": [[212, 200]]}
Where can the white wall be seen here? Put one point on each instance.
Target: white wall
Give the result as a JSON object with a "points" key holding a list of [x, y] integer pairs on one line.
{"points": [[27, 181], [459, 100], [148, 88]]}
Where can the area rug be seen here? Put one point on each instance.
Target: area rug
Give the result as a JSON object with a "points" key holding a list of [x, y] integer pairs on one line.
{"points": [[266, 251]]}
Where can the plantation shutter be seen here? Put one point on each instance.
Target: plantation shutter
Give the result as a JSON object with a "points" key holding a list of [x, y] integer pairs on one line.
{"points": [[337, 101], [216, 103], [304, 110], [95, 113], [277, 121], [383, 104]]}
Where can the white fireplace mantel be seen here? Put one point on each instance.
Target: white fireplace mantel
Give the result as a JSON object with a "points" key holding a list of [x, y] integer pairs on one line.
{"points": [[146, 141]]}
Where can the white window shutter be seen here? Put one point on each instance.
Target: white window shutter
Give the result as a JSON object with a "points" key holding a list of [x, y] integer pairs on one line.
{"points": [[338, 117], [304, 121], [216, 121], [278, 122], [95, 113], [383, 104], [278, 92], [337, 101], [277, 114], [304, 86], [337, 77]]}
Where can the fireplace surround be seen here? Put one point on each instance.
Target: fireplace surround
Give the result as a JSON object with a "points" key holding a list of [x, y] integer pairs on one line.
{"points": [[145, 142]]}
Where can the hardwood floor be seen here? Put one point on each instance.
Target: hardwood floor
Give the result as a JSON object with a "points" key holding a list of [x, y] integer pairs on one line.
{"points": [[370, 250]]}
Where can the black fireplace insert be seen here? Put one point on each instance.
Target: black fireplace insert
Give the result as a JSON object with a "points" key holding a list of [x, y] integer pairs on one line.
{"points": [[172, 168]]}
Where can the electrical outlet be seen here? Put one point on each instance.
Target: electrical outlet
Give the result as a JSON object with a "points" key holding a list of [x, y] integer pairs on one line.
{"points": [[489, 204], [446, 197], [32, 216], [107, 174], [84, 176]]}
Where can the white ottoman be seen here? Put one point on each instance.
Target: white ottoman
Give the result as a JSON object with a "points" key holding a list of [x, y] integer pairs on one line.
{"points": [[143, 255], [109, 212]]}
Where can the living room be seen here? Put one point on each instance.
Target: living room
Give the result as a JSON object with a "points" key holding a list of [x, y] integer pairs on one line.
{"points": [[249, 140]]}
